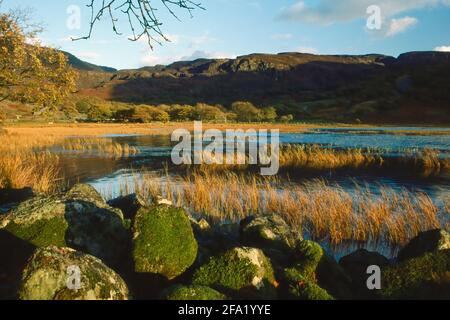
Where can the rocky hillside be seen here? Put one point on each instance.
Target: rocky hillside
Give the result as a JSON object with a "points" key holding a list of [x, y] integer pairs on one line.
{"points": [[412, 88]]}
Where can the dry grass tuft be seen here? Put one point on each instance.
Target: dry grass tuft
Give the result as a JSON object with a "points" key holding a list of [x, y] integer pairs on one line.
{"points": [[320, 210]]}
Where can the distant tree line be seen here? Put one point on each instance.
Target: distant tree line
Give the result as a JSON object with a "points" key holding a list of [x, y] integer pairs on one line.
{"points": [[97, 110]]}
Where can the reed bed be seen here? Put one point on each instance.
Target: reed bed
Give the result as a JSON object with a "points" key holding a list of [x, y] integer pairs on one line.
{"points": [[102, 146], [26, 160], [322, 211], [300, 159], [23, 165]]}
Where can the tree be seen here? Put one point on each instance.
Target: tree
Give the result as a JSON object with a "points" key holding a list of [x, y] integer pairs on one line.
{"points": [[287, 118], [145, 114], [30, 72], [208, 113], [246, 111], [269, 114], [182, 113], [140, 14]]}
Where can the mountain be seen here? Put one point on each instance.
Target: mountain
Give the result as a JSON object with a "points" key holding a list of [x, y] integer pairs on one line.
{"points": [[85, 66], [413, 87]]}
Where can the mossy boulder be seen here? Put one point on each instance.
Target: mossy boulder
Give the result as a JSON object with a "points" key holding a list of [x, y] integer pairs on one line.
{"points": [[179, 293], [47, 277], [428, 241], [240, 272], [355, 266], [424, 277], [271, 234], [163, 241], [301, 288], [315, 265], [79, 219]]}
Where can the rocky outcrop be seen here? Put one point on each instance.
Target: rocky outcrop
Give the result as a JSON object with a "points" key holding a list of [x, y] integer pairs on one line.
{"points": [[180, 292], [240, 272], [428, 241], [79, 219], [163, 241], [271, 234], [51, 275]]}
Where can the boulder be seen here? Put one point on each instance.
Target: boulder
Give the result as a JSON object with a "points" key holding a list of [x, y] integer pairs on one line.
{"points": [[79, 219], [193, 293], [129, 205], [315, 265], [48, 273], [356, 264], [424, 277], [241, 272], [301, 288], [428, 241], [163, 241], [269, 233]]}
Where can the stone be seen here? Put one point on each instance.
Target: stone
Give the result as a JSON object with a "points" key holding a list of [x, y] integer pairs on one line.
{"points": [[355, 265], [193, 293], [301, 288], [163, 241], [269, 233], [79, 219], [428, 241], [315, 265], [47, 277], [424, 277], [129, 205], [241, 272]]}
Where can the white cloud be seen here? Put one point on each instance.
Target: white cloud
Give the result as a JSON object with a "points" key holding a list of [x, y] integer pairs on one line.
{"points": [[281, 36], [327, 12], [400, 25], [89, 55], [442, 49]]}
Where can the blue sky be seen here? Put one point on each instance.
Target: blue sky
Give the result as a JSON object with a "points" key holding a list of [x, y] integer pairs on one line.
{"points": [[229, 28]]}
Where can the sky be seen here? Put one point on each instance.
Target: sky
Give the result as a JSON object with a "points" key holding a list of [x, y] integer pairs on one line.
{"points": [[230, 28]]}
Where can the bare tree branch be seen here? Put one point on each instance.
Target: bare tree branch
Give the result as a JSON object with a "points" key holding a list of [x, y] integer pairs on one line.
{"points": [[141, 16]]}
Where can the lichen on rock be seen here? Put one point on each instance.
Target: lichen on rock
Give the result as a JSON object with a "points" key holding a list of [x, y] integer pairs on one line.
{"points": [[79, 218], [47, 277], [271, 234]]}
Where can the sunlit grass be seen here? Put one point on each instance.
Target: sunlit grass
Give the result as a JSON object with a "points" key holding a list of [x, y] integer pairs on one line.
{"points": [[25, 159], [325, 212]]}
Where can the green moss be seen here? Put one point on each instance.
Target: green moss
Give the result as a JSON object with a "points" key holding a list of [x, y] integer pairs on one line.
{"points": [[164, 241], [41, 233], [425, 277], [227, 271], [310, 255], [235, 274], [309, 291], [178, 293], [302, 288]]}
